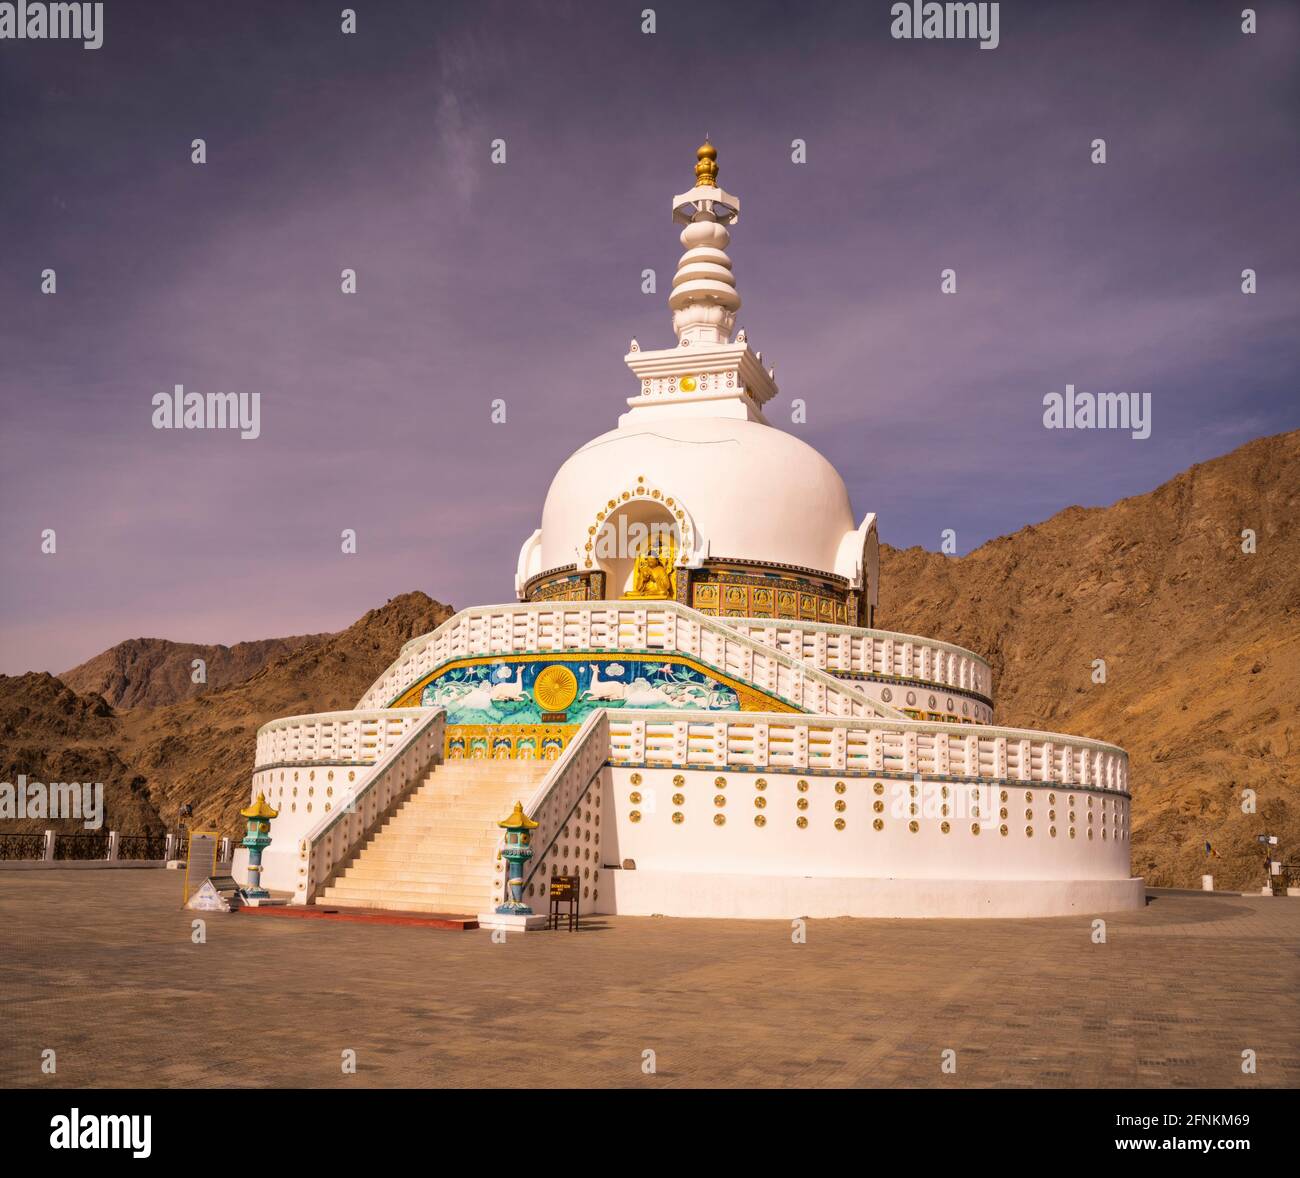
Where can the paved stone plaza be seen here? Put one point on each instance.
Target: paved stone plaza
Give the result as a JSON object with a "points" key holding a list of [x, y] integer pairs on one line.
{"points": [[100, 967]]}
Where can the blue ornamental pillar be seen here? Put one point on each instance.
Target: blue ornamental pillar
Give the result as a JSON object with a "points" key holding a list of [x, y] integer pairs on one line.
{"points": [[516, 852], [258, 838]]}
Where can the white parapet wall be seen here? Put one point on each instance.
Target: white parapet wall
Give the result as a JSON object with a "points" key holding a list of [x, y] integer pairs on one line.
{"points": [[904, 671], [780, 816], [872, 652]]}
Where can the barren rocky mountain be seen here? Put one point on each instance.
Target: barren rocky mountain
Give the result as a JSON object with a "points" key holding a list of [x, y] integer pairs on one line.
{"points": [[151, 672], [198, 750], [49, 733], [1200, 641]]}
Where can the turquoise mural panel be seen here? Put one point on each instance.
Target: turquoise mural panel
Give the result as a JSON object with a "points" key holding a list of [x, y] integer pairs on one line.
{"points": [[502, 693]]}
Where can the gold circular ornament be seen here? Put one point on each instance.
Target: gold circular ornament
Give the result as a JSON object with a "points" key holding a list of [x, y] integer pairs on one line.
{"points": [[555, 688], [678, 799], [720, 782], [879, 787], [945, 827], [678, 817], [634, 797], [759, 803], [840, 787], [878, 824], [840, 803], [635, 816], [719, 800], [761, 783], [914, 827], [802, 786], [801, 822], [1002, 830], [759, 820], [679, 781], [802, 803], [974, 828], [635, 779], [688, 384], [719, 819], [839, 824]]}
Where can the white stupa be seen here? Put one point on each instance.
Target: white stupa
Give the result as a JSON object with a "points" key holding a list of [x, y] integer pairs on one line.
{"points": [[690, 699]]}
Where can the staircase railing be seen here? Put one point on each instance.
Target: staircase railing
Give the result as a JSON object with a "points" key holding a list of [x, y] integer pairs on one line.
{"points": [[333, 840], [661, 628], [565, 787]]}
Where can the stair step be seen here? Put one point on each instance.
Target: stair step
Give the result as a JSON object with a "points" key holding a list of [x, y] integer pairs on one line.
{"points": [[424, 872]]}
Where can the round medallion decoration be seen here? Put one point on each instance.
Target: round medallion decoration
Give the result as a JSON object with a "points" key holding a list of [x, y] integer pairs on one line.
{"points": [[555, 688], [688, 384], [678, 817], [886, 695]]}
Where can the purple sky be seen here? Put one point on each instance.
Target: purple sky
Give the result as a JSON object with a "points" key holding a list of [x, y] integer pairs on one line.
{"points": [[522, 281]]}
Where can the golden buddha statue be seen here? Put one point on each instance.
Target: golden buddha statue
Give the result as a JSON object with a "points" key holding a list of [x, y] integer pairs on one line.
{"points": [[654, 577]]}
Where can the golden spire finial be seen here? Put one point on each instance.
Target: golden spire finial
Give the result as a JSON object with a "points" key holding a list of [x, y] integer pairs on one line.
{"points": [[706, 169]]}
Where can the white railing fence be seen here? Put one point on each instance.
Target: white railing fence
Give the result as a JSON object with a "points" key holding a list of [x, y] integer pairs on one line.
{"points": [[336, 738], [665, 627], [333, 840], [565, 788], [777, 741], [872, 652]]}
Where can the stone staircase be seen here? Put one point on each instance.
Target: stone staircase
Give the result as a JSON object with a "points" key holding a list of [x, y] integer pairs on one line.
{"points": [[437, 852]]}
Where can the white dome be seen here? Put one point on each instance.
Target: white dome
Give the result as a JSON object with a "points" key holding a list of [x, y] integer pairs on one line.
{"points": [[748, 492]]}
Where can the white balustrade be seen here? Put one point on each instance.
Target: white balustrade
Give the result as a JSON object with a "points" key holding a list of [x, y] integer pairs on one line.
{"points": [[661, 627], [872, 652], [775, 741], [565, 785], [336, 837], [335, 738]]}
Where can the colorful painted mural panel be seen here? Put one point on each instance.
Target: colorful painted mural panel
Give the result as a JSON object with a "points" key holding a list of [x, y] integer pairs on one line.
{"points": [[507, 692]]}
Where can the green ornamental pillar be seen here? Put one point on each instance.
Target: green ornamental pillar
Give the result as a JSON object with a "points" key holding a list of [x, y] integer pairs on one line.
{"points": [[258, 838], [517, 851]]}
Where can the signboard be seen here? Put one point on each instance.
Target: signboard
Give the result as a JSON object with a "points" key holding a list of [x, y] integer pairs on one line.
{"points": [[564, 887], [200, 860], [219, 893]]}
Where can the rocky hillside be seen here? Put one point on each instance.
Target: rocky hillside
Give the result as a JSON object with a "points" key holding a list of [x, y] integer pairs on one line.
{"points": [[50, 733], [152, 672], [1201, 643], [200, 750]]}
